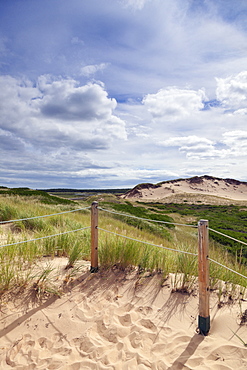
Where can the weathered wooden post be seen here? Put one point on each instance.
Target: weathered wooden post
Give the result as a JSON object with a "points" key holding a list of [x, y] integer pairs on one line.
{"points": [[94, 237], [203, 278]]}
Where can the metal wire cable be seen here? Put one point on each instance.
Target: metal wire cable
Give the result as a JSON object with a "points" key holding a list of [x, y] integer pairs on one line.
{"points": [[227, 236], [140, 241], [44, 237], [228, 268], [42, 216], [145, 219]]}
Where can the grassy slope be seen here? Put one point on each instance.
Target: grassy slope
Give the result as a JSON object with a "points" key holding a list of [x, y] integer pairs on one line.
{"points": [[17, 261]]}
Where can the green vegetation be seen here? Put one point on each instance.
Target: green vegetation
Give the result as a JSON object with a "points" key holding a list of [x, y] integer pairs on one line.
{"points": [[230, 220], [141, 213], [83, 193], [17, 262], [42, 196]]}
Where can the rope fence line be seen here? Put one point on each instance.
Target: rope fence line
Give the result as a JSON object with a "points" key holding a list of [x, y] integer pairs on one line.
{"points": [[145, 219], [174, 250], [227, 236], [203, 254], [143, 242], [123, 236], [42, 216], [228, 268], [45, 237], [171, 223]]}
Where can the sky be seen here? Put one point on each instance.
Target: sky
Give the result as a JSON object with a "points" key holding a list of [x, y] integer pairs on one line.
{"points": [[113, 93]]}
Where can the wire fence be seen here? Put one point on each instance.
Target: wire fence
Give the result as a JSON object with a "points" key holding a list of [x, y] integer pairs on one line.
{"points": [[42, 216], [148, 243], [47, 236], [228, 268], [120, 235], [203, 252], [145, 219], [172, 249], [227, 236]]}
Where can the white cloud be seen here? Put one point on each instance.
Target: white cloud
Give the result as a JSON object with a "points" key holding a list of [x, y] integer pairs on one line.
{"points": [[237, 141], [139, 48], [187, 140], [193, 146], [240, 112], [59, 113], [230, 144], [64, 99], [92, 69], [174, 103], [232, 92]]}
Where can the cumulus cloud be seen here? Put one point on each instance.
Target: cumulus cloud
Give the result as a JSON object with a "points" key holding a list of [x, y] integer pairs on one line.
{"points": [[232, 92], [66, 100], [192, 146], [57, 113], [174, 103], [55, 128], [231, 144]]}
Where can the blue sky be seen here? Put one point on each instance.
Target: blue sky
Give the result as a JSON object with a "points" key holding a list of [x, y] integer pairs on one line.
{"points": [[112, 93]]}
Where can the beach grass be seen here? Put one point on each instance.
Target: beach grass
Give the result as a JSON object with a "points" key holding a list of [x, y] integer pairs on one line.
{"points": [[149, 254]]}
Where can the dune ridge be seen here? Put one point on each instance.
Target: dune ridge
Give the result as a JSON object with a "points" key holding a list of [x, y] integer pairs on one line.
{"points": [[229, 189]]}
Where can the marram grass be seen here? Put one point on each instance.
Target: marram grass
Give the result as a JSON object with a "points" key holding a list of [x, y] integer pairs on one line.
{"points": [[17, 261]]}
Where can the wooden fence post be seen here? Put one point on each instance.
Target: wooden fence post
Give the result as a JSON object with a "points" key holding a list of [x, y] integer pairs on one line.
{"points": [[94, 237], [203, 278]]}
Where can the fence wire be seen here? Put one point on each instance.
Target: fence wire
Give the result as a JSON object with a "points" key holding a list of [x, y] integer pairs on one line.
{"points": [[45, 237], [145, 219], [228, 268], [42, 216], [143, 242], [123, 236], [227, 236], [174, 250]]}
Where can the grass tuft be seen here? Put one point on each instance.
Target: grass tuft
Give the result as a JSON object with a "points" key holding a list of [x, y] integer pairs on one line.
{"points": [[16, 262]]}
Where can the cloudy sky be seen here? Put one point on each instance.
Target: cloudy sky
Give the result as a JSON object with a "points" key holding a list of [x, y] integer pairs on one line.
{"points": [[112, 93]]}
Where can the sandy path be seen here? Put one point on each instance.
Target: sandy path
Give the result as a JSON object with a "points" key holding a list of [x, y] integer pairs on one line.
{"points": [[115, 321]]}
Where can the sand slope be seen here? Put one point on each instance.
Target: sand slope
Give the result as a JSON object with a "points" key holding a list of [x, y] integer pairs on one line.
{"points": [[203, 185], [117, 321]]}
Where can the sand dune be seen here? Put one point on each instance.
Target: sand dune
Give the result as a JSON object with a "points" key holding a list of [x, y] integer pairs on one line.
{"points": [[114, 320], [205, 186]]}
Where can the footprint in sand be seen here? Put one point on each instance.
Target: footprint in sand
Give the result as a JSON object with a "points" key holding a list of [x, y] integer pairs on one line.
{"points": [[108, 333], [229, 356], [45, 343], [135, 339], [145, 310], [24, 356], [84, 345], [125, 320], [148, 324]]}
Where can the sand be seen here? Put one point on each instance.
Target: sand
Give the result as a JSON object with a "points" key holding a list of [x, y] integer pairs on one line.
{"points": [[114, 320], [228, 190]]}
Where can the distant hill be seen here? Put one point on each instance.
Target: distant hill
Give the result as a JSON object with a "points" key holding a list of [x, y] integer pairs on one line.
{"points": [[198, 186], [93, 191]]}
